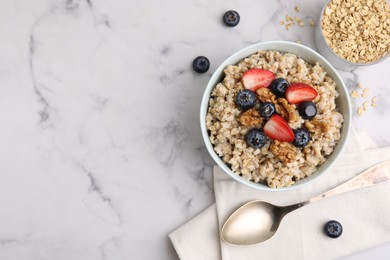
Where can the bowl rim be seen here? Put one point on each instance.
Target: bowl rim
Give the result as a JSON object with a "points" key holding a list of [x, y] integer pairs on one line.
{"points": [[357, 64], [240, 55]]}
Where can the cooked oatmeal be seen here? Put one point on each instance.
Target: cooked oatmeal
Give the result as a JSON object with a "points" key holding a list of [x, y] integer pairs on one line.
{"points": [[278, 164]]}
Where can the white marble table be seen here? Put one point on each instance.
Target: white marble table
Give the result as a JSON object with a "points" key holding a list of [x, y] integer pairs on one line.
{"points": [[100, 148]]}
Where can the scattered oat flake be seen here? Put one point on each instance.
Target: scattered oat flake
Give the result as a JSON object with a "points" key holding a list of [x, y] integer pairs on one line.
{"points": [[360, 111], [311, 22], [365, 104], [300, 23], [373, 102], [365, 92], [360, 85], [281, 22], [354, 94], [289, 25], [297, 9]]}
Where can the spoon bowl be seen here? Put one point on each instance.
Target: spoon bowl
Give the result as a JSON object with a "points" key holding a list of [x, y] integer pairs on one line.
{"points": [[252, 223]]}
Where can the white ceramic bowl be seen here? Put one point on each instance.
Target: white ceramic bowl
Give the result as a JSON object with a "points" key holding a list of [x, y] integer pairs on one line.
{"points": [[309, 55]]}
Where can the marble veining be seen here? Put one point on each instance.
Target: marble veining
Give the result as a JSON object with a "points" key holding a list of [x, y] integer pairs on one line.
{"points": [[44, 112], [100, 147]]}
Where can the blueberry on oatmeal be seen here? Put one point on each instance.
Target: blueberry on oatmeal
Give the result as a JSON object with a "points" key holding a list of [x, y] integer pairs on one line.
{"points": [[279, 86], [256, 138], [307, 110], [246, 99], [301, 137], [267, 109]]}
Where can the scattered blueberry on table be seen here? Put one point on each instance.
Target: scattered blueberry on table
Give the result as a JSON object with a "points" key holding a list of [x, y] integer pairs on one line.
{"points": [[256, 138], [333, 229], [201, 64], [231, 18], [246, 99]]}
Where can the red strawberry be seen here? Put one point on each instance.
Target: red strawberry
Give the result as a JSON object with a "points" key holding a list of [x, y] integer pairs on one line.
{"points": [[277, 128], [299, 92], [257, 78]]}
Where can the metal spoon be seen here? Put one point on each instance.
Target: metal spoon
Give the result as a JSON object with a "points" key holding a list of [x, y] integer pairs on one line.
{"points": [[257, 221]]}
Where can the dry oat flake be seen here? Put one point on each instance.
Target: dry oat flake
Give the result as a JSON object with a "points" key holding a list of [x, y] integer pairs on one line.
{"points": [[270, 164], [357, 30]]}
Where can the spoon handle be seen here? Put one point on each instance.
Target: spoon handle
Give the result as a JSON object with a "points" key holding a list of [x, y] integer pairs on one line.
{"points": [[374, 175]]}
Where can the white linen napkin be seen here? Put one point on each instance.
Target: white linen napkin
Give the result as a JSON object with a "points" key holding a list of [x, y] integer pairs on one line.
{"points": [[364, 214]]}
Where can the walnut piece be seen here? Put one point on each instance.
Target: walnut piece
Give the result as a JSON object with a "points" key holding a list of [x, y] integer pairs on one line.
{"points": [[289, 110], [285, 152], [265, 95], [250, 117], [281, 111], [317, 125]]}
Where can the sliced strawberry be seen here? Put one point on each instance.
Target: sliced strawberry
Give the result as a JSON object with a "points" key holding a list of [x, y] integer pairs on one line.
{"points": [[277, 128], [299, 92], [257, 78]]}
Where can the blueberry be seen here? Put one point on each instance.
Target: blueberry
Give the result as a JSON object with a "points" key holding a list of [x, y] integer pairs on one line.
{"points": [[246, 99], [201, 64], [278, 86], [301, 137], [267, 109], [256, 138], [333, 229], [307, 110], [231, 18]]}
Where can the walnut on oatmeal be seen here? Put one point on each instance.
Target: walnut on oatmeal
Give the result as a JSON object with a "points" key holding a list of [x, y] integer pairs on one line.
{"points": [[318, 126], [265, 95], [250, 117], [290, 111], [285, 152], [281, 111]]}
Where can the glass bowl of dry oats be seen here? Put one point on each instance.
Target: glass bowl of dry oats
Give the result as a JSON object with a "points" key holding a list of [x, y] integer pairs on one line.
{"points": [[275, 115], [354, 33]]}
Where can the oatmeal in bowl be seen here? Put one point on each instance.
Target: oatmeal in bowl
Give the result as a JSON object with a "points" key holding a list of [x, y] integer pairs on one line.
{"points": [[275, 115]]}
